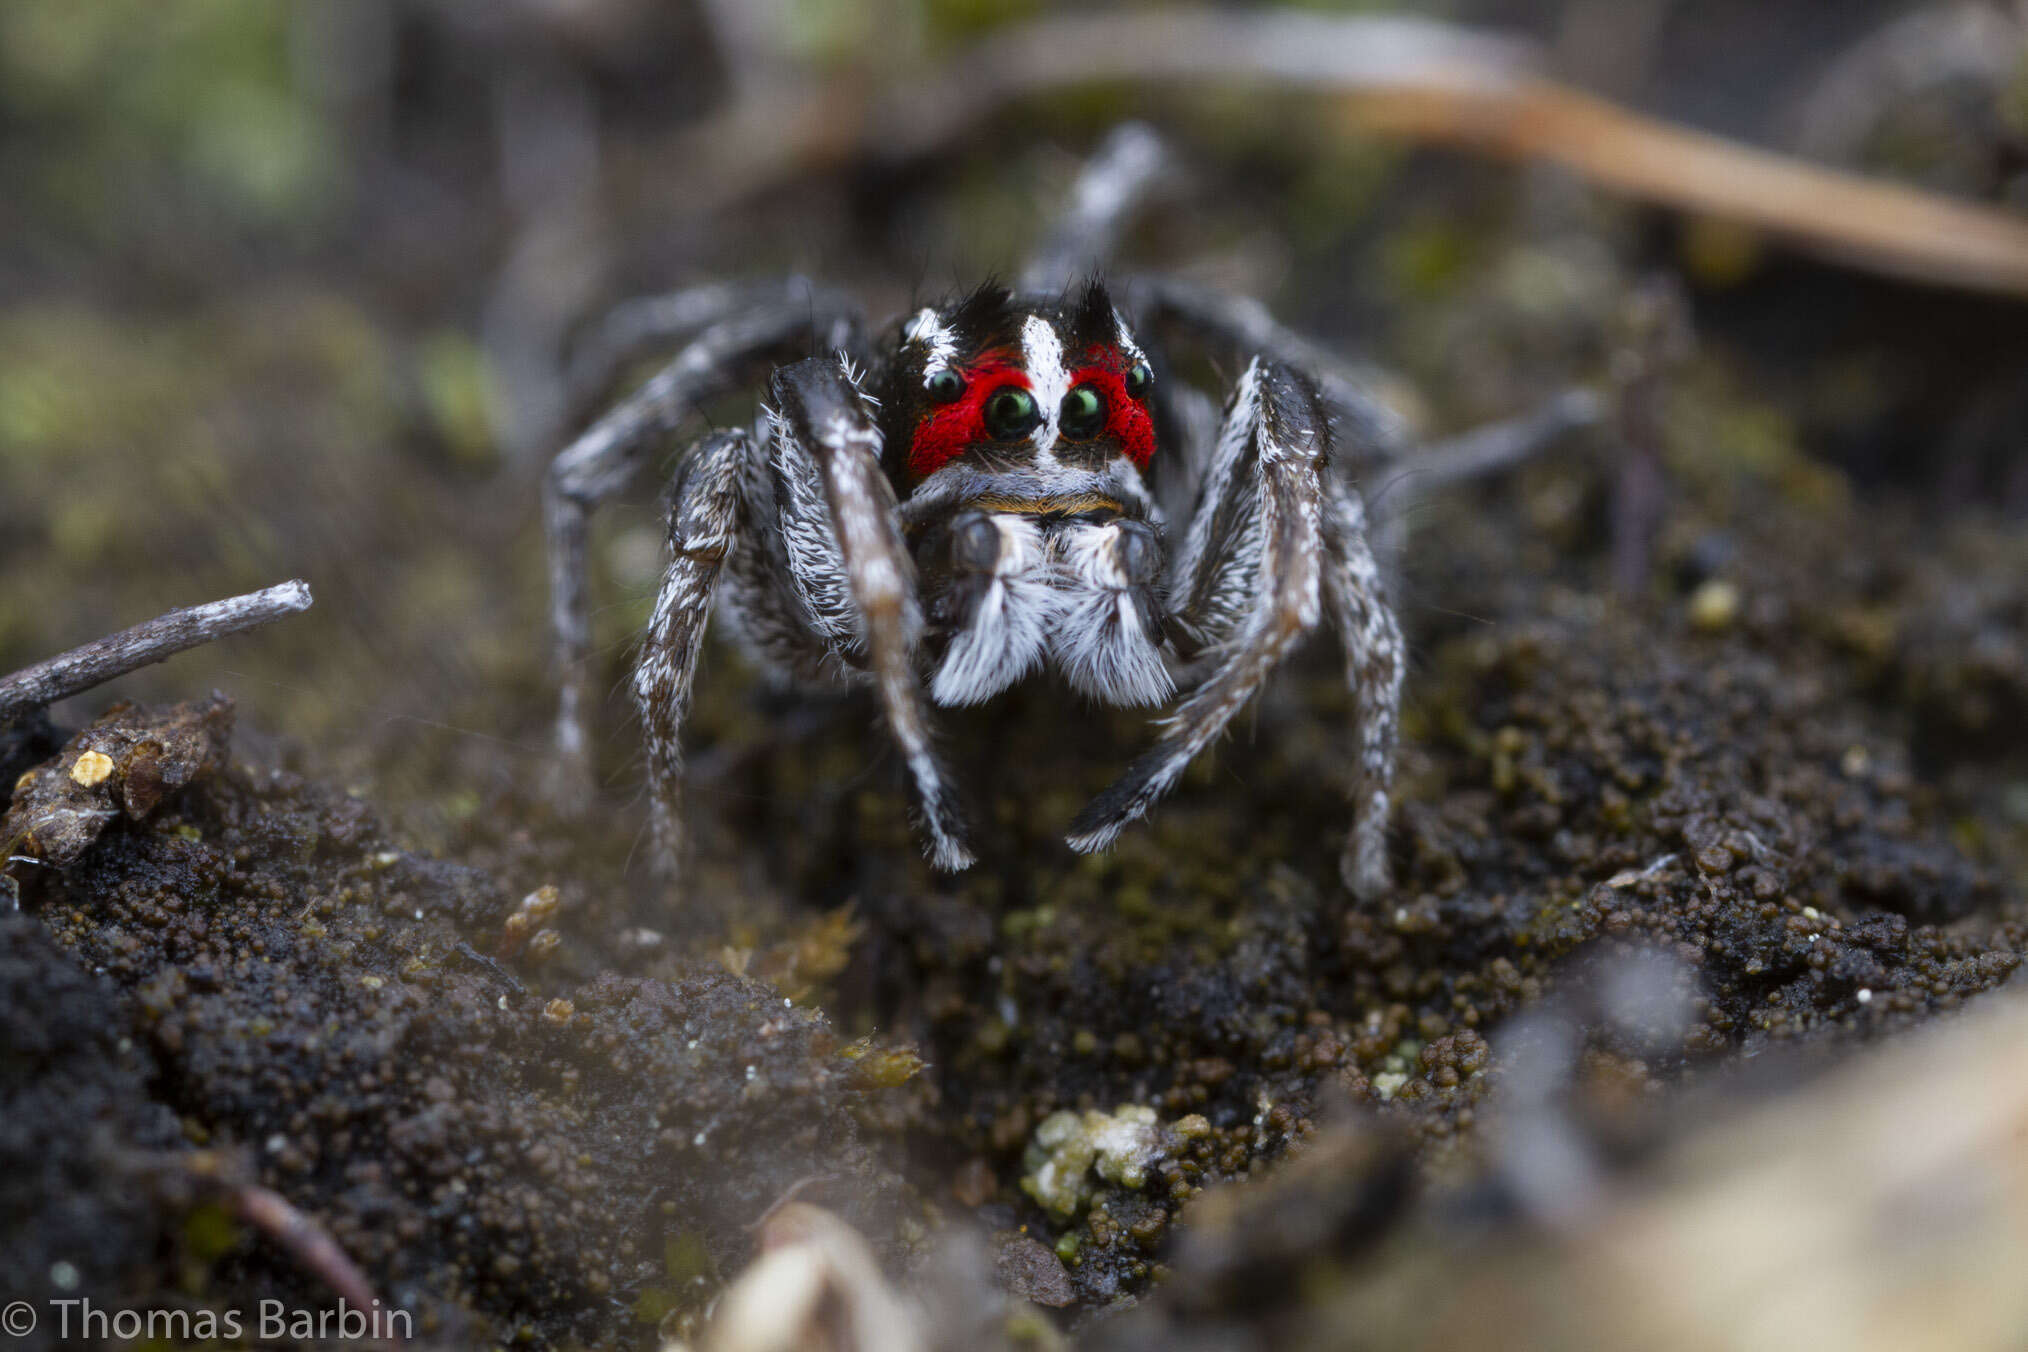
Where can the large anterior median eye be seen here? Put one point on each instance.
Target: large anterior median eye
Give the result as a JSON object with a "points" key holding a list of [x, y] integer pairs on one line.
{"points": [[1083, 414], [945, 387], [1011, 413]]}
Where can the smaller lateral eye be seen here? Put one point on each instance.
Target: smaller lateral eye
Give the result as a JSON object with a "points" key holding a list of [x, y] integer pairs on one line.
{"points": [[1011, 413], [1083, 414], [946, 386], [1139, 380]]}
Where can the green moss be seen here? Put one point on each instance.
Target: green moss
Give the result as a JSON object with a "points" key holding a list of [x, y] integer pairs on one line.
{"points": [[1068, 1147], [458, 390], [210, 1232], [1427, 262], [198, 102], [954, 20]]}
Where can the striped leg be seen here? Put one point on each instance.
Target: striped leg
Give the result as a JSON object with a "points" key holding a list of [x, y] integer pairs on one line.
{"points": [[606, 457], [1246, 581], [821, 411], [1375, 659], [704, 522]]}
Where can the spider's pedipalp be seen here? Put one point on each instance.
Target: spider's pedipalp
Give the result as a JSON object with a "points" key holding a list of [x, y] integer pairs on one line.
{"points": [[999, 607], [1108, 640], [819, 410]]}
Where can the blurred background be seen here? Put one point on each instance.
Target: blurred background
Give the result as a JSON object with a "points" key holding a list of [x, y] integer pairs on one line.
{"points": [[288, 290]]}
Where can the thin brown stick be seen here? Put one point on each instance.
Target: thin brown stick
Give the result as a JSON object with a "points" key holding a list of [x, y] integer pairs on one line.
{"points": [[307, 1243], [1428, 81], [103, 659], [1904, 232]]}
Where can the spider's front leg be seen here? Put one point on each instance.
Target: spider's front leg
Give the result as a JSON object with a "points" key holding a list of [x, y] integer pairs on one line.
{"points": [[1265, 550], [822, 412]]}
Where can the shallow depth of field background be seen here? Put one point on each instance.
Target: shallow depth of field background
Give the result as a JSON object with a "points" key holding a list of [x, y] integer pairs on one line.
{"points": [[284, 288]]}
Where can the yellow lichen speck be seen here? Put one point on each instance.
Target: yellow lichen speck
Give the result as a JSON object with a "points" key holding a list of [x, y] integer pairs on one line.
{"points": [[91, 769]]}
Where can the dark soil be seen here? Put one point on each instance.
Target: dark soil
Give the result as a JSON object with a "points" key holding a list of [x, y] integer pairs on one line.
{"points": [[540, 1115]]}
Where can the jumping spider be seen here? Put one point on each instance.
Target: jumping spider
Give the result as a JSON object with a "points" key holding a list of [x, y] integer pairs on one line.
{"points": [[1005, 481]]}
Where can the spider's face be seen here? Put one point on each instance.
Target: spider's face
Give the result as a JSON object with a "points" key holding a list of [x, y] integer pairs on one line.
{"points": [[1017, 431], [1028, 400]]}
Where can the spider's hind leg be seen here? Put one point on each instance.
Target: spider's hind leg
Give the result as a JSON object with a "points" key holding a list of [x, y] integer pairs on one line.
{"points": [[1234, 329], [638, 327], [1122, 172]]}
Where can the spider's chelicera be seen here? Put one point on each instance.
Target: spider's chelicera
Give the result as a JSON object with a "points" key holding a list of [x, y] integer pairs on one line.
{"points": [[1007, 482]]}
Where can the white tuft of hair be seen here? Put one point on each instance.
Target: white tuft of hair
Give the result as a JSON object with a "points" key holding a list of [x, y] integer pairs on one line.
{"points": [[1099, 641], [1009, 634]]}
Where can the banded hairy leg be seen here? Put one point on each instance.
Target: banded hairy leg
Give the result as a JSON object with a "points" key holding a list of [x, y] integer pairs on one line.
{"points": [[821, 409], [606, 457], [1271, 542]]}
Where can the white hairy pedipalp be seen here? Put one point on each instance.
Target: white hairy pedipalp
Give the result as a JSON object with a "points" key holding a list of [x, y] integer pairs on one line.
{"points": [[1060, 592], [1100, 641], [1009, 633]]}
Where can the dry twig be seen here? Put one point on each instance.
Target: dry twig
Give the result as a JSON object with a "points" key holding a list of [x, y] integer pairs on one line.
{"points": [[1428, 81], [103, 659], [307, 1243]]}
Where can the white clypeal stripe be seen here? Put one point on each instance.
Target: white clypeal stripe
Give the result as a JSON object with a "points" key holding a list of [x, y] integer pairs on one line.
{"points": [[1048, 379]]}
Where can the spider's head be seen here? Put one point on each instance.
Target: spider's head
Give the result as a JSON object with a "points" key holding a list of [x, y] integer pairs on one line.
{"points": [[1017, 392], [1017, 429]]}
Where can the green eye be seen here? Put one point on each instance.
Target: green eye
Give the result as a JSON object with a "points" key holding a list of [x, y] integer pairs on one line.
{"points": [[945, 386], [1139, 378], [1083, 414], [1011, 413]]}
